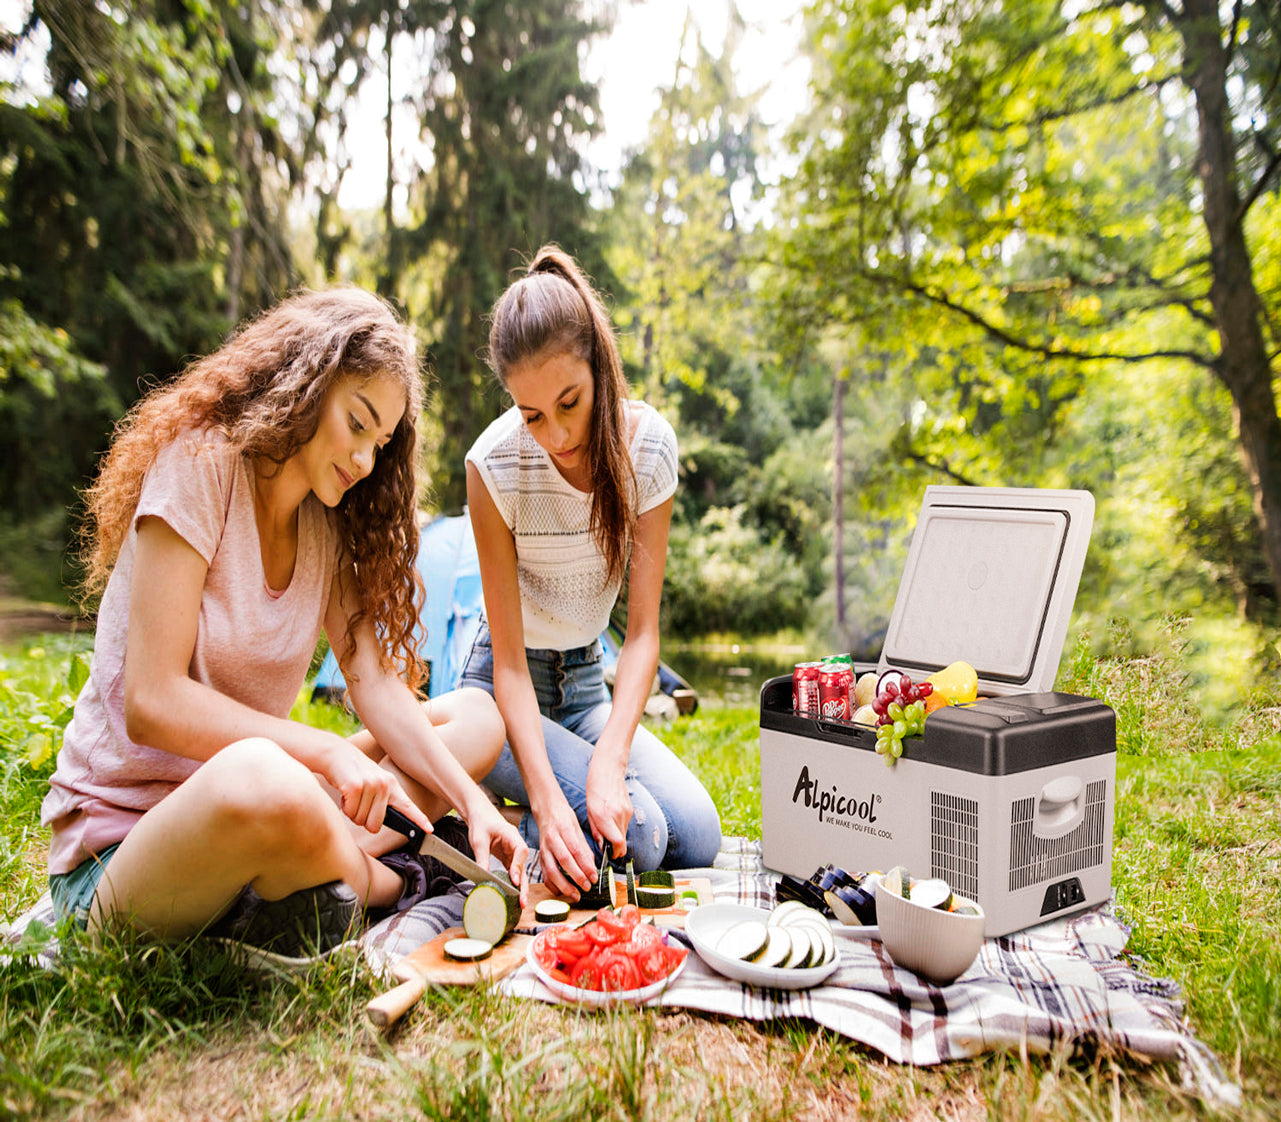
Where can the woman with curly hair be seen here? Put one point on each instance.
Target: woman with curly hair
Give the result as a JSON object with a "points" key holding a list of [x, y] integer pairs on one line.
{"points": [[266, 494], [570, 491]]}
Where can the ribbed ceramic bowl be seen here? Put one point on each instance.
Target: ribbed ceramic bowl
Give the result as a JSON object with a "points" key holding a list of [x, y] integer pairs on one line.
{"points": [[938, 945]]}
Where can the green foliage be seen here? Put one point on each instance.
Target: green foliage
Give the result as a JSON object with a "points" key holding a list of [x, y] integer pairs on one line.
{"points": [[721, 576], [38, 689], [55, 411]]}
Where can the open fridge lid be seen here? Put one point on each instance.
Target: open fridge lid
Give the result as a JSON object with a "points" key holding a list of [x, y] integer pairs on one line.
{"points": [[991, 579]]}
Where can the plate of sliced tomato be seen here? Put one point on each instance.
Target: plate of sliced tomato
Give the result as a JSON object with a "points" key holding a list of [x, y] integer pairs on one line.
{"points": [[616, 956]]}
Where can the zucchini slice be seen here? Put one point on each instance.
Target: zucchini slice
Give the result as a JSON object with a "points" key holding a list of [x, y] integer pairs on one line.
{"points": [[778, 947], [655, 897], [488, 915], [551, 911], [631, 884], [468, 950], [933, 893], [802, 950], [744, 941]]}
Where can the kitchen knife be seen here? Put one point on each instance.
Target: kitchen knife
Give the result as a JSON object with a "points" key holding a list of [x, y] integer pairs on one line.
{"points": [[422, 842]]}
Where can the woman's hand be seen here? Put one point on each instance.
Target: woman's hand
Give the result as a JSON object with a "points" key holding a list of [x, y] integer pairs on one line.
{"points": [[491, 834], [609, 806], [568, 866], [364, 789]]}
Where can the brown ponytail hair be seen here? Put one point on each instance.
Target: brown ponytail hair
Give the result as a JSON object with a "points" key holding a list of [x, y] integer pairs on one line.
{"points": [[553, 310]]}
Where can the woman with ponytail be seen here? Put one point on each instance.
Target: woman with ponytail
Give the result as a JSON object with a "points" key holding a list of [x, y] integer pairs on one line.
{"points": [[570, 492], [267, 494]]}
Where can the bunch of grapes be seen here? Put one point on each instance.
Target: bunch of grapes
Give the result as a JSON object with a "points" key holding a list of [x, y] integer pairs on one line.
{"points": [[900, 711]]}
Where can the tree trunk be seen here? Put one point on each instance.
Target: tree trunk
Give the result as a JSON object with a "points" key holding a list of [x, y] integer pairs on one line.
{"points": [[838, 501], [1242, 363]]}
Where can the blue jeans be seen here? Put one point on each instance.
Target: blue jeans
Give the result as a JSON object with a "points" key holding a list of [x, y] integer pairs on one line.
{"points": [[675, 824]]}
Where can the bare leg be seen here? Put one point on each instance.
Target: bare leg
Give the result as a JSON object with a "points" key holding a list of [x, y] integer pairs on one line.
{"points": [[251, 815]]}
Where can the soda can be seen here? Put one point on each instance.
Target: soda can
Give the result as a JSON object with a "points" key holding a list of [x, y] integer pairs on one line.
{"points": [[805, 687], [834, 692]]}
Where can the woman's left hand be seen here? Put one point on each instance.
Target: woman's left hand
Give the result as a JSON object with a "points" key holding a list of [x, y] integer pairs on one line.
{"points": [[609, 806], [490, 833]]}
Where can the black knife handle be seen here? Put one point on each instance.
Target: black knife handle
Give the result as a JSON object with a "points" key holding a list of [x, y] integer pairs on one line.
{"points": [[403, 824]]}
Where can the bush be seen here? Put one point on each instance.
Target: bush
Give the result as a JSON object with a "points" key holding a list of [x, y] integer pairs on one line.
{"points": [[722, 577]]}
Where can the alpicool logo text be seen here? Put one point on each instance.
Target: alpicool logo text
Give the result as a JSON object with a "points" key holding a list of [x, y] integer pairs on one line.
{"points": [[833, 801]]}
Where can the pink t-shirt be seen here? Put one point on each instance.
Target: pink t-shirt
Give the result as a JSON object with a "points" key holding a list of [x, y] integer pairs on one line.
{"points": [[252, 644]]}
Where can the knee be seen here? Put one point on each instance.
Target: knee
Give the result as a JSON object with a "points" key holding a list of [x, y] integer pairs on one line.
{"points": [[647, 835], [486, 731], [258, 790]]}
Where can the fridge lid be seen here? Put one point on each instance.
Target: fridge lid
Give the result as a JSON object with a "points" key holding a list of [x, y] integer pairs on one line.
{"points": [[991, 579]]}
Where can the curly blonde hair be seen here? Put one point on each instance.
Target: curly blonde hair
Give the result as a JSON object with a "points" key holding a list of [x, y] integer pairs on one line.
{"points": [[263, 390]]}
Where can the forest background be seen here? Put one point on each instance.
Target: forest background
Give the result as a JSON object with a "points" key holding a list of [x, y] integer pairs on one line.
{"points": [[1032, 245]]}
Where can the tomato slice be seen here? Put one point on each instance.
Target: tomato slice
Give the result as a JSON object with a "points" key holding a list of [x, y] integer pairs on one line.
{"points": [[573, 943], [545, 953], [614, 921], [653, 964], [600, 934], [645, 935], [629, 914], [618, 972], [586, 974]]}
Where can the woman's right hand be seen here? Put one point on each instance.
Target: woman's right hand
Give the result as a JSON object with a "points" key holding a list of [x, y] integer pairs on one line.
{"points": [[364, 788], [568, 866]]}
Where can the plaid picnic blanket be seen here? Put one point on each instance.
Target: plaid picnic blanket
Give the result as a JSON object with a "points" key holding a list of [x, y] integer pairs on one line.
{"points": [[1063, 981], [1066, 981]]}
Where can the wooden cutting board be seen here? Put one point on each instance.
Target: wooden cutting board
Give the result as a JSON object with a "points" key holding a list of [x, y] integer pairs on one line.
{"points": [[664, 917], [428, 965]]}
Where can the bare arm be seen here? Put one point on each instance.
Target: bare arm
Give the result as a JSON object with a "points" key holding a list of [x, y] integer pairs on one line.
{"points": [[567, 858], [398, 723], [608, 805], [166, 708]]}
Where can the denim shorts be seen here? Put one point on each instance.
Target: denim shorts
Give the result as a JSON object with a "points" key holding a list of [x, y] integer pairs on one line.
{"points": [[674, 824], [73, 892]]}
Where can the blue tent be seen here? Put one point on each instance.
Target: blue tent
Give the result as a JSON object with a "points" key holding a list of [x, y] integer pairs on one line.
{"points": [[451, 617]]}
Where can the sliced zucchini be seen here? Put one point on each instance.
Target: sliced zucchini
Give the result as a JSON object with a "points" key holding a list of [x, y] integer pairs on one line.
{"points": [[631, 884], [933, 893], [802, 949], [689, 899], [822, 931], [656, 878], [468, 950], [488, 915], [778, 948], [551, 911], [786, 908], [744, 941], [897, 881], [655, 897]]}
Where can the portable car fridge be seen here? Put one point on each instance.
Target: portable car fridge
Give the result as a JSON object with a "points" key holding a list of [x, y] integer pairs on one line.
{"points": [[1010, 799]]}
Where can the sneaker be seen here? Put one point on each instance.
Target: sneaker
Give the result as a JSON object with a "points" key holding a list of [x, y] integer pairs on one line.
{"points": [[294, 931], [425, 876]]}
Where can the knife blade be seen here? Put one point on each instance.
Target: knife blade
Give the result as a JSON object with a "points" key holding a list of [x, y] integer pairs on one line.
{"points": [[423, 842]]}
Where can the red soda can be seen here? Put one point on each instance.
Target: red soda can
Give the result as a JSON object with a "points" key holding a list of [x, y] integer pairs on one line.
{"points": [[834, 691], [805, 687]]}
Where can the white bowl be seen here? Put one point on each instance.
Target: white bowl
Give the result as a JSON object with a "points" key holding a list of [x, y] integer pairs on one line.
{"points": [[936, 944]]}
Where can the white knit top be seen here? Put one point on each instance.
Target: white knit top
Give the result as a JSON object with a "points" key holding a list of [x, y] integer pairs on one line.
{"points": [[565, 598]]}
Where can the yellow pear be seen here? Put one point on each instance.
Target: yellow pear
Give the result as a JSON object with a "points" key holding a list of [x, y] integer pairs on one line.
{"points": [[958, 683]]}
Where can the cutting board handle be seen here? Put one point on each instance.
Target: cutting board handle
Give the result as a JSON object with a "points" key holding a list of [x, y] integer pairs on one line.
{"points": [[387, 1008]]}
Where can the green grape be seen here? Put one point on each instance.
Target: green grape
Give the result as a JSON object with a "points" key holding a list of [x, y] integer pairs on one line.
{"points": [[895, 711], [900, 729]]}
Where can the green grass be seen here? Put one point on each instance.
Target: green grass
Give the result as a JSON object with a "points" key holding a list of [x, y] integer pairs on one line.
{"points": [[159, 1032]]}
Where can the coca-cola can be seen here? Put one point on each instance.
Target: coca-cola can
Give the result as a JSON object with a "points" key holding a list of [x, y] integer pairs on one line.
{"points": [[805, 687], [834, 691]]}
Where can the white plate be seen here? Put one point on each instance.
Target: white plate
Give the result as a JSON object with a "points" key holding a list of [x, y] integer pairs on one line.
{"points": [[598, 998], [707, 924]]}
